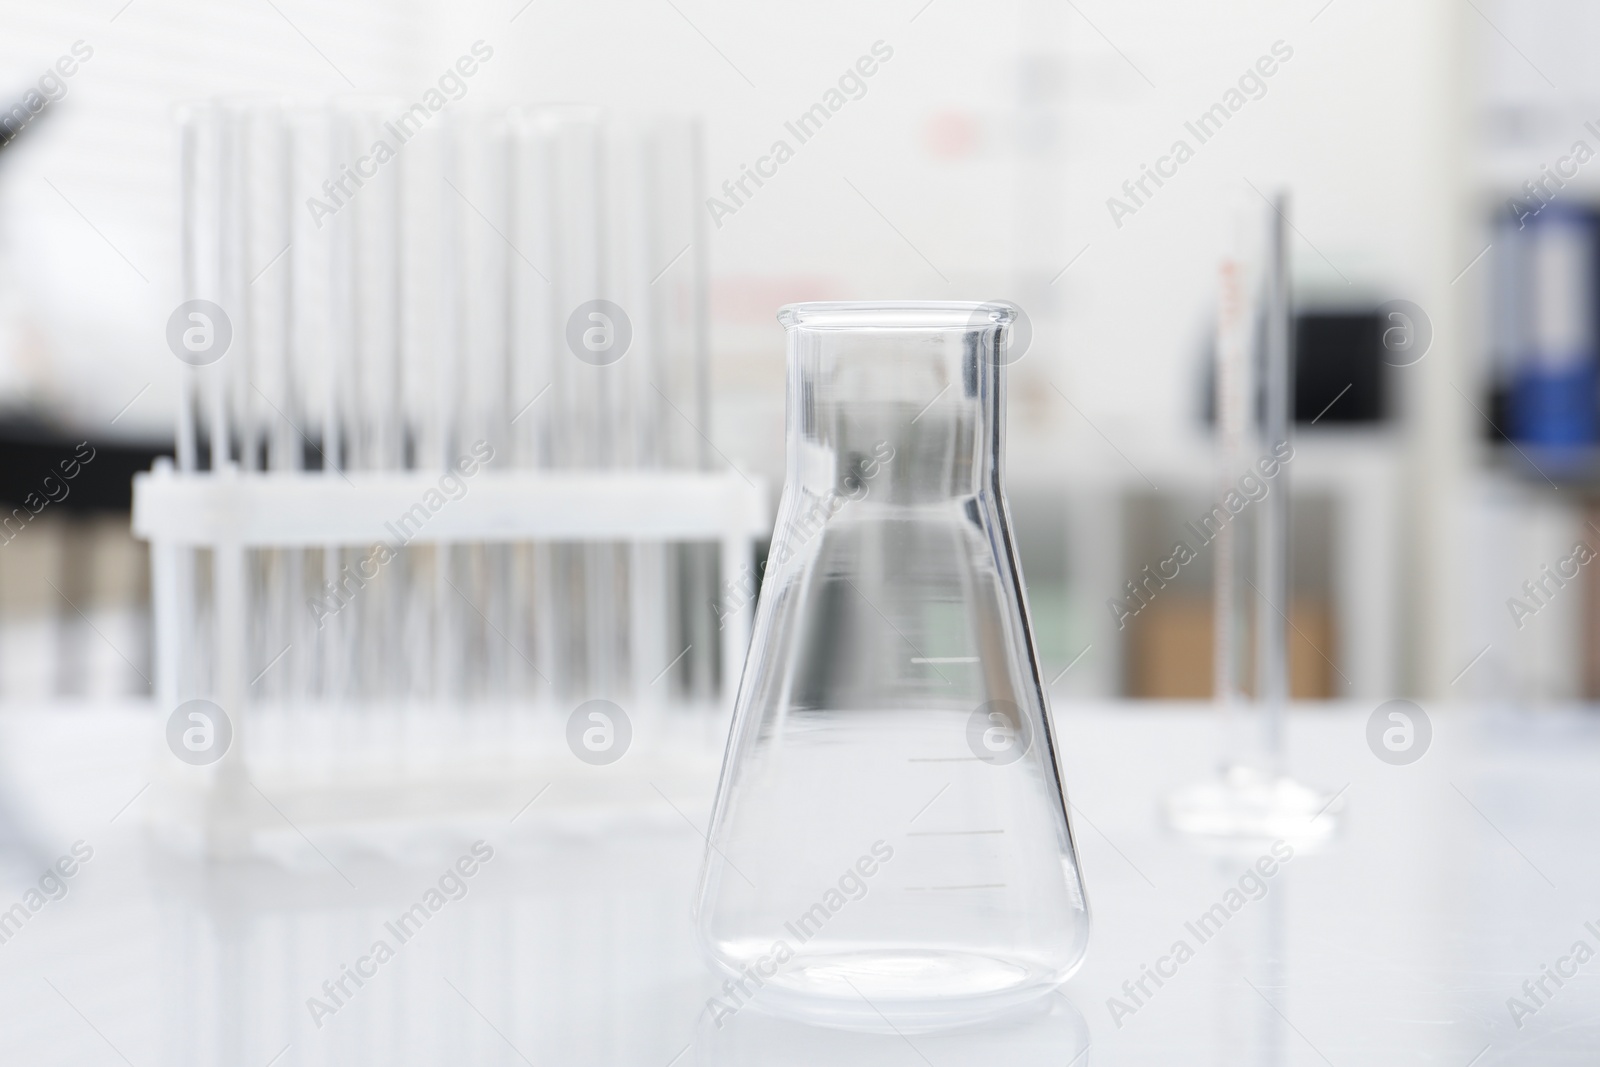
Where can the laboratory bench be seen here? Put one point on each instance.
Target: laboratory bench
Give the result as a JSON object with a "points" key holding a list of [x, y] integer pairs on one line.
{"points": [[1453, 917]]}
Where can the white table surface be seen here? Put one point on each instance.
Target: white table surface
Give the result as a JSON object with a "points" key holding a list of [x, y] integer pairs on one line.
{"points": [[1452, 881]]}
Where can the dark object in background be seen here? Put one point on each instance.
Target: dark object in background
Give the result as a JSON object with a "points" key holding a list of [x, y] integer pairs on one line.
{"points": [[1339, 352], [30, 451], [18, 117], [1498, 415], [1335, 352]]}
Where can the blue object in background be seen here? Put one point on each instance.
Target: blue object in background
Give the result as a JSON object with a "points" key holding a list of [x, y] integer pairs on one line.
{"points": [[1553, 386]]}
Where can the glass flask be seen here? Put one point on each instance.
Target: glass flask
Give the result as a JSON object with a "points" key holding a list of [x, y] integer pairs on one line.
{"points": [[890, 846]]}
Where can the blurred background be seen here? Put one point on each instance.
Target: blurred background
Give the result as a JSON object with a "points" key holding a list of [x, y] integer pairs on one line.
{"points": [[1440, 163], [976, 163]]}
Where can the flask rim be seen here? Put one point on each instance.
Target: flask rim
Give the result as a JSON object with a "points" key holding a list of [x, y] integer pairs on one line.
{"points": [[897, 314]]}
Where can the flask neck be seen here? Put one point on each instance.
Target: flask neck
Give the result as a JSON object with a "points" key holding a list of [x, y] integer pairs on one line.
{"points": [[890, 412]]}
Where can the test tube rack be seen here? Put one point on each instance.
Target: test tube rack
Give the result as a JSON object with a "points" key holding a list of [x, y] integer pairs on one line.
{"points": [[408, 757], [391, 324]]}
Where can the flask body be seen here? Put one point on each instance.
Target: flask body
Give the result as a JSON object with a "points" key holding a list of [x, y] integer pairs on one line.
{"points": [[890, 846]]}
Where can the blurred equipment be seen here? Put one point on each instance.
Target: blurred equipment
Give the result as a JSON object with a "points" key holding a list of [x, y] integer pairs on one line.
{"points": [[74, 583], [892, 722], [440, 476], [1553, 378], [1339, 370], [1253, 798]]}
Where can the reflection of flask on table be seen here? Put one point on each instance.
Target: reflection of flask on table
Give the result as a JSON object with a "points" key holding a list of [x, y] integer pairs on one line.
{"points": [[1054, 1035], [890, 842]]}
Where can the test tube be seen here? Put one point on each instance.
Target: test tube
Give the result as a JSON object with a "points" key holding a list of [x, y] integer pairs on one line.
{"points": [[218, 273], [480, 198], [669, 385], [198, 164], [1272, 521], [535, 339], [1235, 334], [427, 259], [683, 327], [260, 377], [366, 326]]}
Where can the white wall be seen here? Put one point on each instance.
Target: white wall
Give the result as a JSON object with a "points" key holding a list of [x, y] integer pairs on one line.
{"points": [[981, 160], [1340, 122]]}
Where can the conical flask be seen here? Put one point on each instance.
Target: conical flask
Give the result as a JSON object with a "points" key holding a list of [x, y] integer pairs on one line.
{"points": [[890, 846]]}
